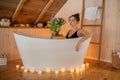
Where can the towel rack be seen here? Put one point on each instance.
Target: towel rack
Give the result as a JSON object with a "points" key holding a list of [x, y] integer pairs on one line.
{"points": [[94, 25]]}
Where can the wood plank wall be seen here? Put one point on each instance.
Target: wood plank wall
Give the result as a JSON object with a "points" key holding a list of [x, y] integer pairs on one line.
{"points": [[8, 44]]}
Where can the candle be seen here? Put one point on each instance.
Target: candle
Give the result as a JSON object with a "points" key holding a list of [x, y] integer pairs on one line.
{"points": [[22, 67], [32, 70], [87, 65], [56, 73], [17, 66], [39, 72], [72, 73], [63, 70], [77, 73], [25, 70], [48, 70], [83, 65]]}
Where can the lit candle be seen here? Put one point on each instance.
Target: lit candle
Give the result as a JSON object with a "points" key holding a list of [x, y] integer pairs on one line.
{"points": [[17, 66], [77, 73], [87, 65], [22, 67], [63, 70], [72, 73], [83, 65], [39, 72], [32, 70], [80, 71], [48, 70], [25, 70], [56, 73]]}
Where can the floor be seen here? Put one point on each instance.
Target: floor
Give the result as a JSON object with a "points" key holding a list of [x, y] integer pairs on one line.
{"points": [[96, 71]]}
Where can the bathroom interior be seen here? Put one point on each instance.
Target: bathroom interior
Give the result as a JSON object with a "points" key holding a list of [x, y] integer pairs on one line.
{"points": [[28, 52]]}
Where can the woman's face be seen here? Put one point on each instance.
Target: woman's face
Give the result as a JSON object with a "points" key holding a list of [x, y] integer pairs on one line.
{"points": [[73, 22]]}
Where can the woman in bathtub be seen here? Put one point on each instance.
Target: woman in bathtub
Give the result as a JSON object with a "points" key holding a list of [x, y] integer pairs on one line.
{"points": [[76, 31]]}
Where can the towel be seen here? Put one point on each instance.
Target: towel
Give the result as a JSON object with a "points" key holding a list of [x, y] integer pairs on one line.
{"points": [[92, 13], [118, 53]]}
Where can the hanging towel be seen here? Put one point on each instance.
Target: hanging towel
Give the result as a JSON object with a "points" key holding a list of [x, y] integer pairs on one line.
{"points": [[92, 13]]}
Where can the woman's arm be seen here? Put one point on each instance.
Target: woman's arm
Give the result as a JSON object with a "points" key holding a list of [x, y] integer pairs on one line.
{"points": [[85, 34]]}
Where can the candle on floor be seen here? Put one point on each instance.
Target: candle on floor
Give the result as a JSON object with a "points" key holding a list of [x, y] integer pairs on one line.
{"points": [[63, 70], [56, 73], [25, 70], [83, 65], [17, 66], [81, 71], [22, 67], [39, 72], [32, 70], [72, 73], [48, 70], [87, 65]]}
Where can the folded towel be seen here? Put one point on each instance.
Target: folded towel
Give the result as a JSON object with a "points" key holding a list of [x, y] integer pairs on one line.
{"points": [[92, 13], [118, 53]]}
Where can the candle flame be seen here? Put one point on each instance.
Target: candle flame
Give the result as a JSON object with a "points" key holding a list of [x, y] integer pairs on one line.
{"points": [[25, 70], [63, 70]]}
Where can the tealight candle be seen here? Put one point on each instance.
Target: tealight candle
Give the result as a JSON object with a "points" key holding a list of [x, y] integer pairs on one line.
{"points": [[25, 70], [48, 70], [40, 72], [56, 72], [32, 70], [22, 67], [63, 70], [72, 73], [83, 65], [17, 66], [87, 65]]}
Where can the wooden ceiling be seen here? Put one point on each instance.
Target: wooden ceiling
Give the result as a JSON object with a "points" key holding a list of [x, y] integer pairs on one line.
{"points": [[29, 11]]}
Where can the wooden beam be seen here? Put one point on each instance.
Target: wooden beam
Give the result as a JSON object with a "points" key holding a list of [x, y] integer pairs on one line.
{"points": [[44, 11], [18, 9]]}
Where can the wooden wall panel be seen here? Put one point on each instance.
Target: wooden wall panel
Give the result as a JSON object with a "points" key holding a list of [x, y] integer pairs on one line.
{"points": [[8, 44]]}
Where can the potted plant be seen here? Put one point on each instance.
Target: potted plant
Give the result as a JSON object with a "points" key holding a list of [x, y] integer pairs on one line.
{"points": [[55, 25]]}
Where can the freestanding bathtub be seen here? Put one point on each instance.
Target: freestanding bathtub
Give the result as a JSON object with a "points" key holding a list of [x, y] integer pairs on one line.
{"points": [[41, 53]]}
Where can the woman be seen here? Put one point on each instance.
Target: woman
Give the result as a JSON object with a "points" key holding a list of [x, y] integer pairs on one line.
{"points": [[75, 31]]}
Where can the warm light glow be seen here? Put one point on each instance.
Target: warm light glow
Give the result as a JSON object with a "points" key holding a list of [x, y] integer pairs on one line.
{"points": [[48, 70], [83, 65], [63, 70], [40, 72], [17, 66], [87, 65], [77, 70], [25, 70], [22, 67], [72, 70], [32, 70], [56, 72]]}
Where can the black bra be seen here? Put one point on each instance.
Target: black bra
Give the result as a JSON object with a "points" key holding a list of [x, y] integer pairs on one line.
{"points": [[73, 35]]}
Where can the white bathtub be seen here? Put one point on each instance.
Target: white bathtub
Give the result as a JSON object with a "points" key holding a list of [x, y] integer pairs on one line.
{"points": [[40, 53]]}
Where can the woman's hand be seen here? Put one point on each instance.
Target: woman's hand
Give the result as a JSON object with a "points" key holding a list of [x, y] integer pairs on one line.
{"points": [[77, 48]]}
